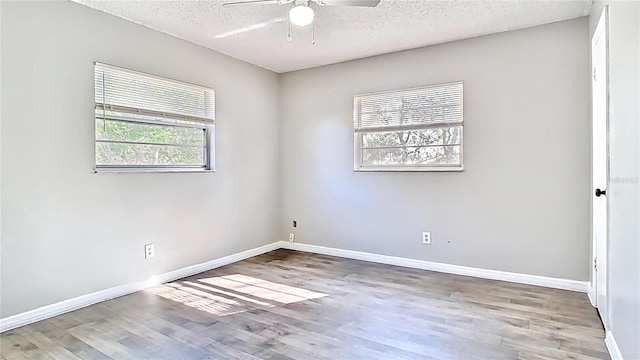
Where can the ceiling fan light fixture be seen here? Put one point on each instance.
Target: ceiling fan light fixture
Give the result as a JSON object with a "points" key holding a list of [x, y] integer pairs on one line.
{"points": [[301, 15]]}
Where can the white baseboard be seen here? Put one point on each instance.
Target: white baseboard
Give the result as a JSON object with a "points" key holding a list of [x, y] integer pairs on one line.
{"points": [[612, 346], [64, 306], [556, 283], [68, 305], [591, 292]]}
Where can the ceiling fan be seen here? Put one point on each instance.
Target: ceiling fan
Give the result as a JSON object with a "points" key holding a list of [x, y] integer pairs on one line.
{"points": [[301, 14]]}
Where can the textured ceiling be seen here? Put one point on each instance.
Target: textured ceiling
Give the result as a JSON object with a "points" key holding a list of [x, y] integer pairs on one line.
{"points": [[258, 33]]}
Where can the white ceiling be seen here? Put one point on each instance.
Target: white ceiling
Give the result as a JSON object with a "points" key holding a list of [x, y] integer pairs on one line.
{"points": [[258, 33]]}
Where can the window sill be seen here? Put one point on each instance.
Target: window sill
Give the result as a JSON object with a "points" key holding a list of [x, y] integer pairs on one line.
{"points": [[150, 171], [408, 169]]}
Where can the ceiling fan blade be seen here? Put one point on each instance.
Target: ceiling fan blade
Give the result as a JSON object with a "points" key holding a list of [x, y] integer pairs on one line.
{"points": [[261, 2], [366, 3]]}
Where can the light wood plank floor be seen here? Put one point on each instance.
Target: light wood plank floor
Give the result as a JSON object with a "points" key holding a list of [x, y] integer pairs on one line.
{"points": [[294, 305]]}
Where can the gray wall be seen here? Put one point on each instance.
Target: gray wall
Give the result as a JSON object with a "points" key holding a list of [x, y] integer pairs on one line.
{"points": [[521, 205], [67, 231], [624, 172]]}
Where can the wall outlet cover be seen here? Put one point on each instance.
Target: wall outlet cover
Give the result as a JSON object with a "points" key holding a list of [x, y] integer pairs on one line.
{"points": [[149, 251], [426, 238], [292, 237]]}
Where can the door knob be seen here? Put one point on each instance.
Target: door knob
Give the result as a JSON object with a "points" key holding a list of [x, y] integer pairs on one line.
{"points": [[600, 192]]}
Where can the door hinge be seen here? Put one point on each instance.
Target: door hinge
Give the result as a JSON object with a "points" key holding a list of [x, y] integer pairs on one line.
{"points": [[594, 75], [595, 264]]}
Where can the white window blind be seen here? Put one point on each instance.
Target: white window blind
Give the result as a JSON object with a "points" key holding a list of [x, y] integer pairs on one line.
{"points": [[417, 129], [132, 92], [148, 122]]}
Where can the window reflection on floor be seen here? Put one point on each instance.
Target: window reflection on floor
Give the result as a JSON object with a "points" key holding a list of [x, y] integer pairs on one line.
{"points": [[231, 294]]}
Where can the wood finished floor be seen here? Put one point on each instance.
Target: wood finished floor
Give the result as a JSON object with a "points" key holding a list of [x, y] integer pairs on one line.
{"points": [[294, 305]]}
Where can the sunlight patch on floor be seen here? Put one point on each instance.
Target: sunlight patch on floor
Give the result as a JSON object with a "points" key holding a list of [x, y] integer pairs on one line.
{"points": [[262, 289], [210, 303], [232, 294], [222, 292]]}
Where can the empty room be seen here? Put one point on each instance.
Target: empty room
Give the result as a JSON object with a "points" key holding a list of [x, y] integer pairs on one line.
{"points": [[320, 179]]}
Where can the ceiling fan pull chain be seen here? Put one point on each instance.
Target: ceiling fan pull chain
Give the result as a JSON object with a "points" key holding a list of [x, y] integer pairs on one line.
{"points": [[289, 34], [313, 34]]}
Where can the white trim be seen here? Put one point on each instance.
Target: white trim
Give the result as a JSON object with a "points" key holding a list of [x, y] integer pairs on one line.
{"points": [[591, 292], [600, 249], [612, 346], [151, 171], [408, 168], [79, 302], [556, 283]]}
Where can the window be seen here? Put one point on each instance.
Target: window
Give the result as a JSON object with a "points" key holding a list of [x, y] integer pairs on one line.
{"points": [[147, 123], [416, 129]]}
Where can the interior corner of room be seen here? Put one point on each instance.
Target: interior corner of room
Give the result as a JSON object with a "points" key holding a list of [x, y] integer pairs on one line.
{"points": [[551, 118]]}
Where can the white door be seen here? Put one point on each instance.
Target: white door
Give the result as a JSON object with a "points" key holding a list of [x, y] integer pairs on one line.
{"points": [[600, 163]]}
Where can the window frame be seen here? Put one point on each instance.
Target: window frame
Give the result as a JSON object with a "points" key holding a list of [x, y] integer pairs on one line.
{"points": [[157, 119], [358, 134]]}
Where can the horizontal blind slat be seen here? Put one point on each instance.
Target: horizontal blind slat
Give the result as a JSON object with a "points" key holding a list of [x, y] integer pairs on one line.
{"points": [[164, 122], [409, 127], [137, 111]]}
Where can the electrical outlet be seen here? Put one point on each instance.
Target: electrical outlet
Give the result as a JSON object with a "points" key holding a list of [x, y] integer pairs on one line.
{"points": [[149, 251], [426, 238], [291, 237]]}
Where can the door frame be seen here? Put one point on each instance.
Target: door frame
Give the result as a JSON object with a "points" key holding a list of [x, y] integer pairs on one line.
{"points": [[602, 30]]}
